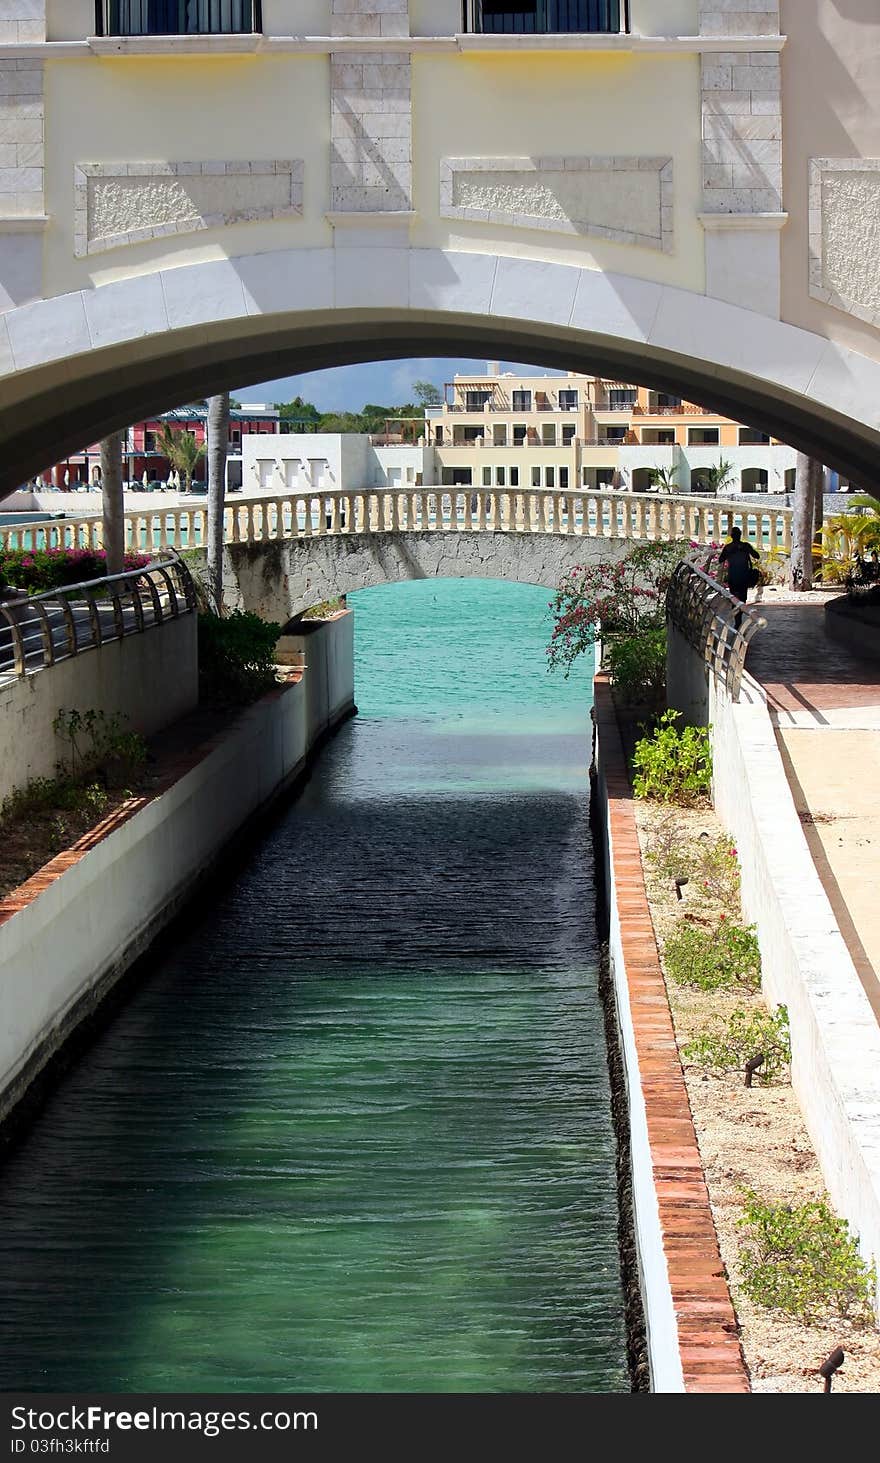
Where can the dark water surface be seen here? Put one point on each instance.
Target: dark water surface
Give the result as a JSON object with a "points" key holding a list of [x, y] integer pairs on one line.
{"points": [[353, 1133]]}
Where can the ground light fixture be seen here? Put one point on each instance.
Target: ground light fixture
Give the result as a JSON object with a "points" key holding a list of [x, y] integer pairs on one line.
{"points": [[752, 1066], [831, 1365]]}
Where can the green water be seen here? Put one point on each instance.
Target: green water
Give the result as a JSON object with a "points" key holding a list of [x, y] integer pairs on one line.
{"points": [[353, 1132]]}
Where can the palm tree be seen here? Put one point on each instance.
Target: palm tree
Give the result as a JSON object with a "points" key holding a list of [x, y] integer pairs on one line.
{"points": [[808, 484], [113, 527], [716, 479], [218, 448], [665, 479], [866, 501], [183, 452]]}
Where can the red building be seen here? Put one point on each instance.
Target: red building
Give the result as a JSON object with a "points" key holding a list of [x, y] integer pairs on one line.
{"points": [[143, 458]]}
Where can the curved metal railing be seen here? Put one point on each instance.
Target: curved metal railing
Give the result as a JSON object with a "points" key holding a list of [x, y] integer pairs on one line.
{"points": [[40, 631], [718, 626]]}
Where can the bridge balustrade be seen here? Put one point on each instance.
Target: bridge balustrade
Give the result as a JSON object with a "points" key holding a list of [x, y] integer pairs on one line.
{"points": [[453, 509], [40, 631], [718, 626]]}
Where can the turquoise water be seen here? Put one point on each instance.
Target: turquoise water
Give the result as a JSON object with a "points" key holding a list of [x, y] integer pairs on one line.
{"points": [[352, 1133]]}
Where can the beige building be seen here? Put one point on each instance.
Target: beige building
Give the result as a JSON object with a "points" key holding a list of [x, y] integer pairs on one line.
{"points": [[580, 432]]}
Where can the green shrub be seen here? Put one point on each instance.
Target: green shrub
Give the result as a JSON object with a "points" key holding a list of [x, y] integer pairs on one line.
{"points": [[236, 657], [744, 1034], [637, 664], [802, 1260], [716, 960], [673, 766], [97, 742]]}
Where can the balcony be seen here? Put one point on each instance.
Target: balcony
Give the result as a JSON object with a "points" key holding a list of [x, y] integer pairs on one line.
{"points": [[178, 17], [545, 17]]}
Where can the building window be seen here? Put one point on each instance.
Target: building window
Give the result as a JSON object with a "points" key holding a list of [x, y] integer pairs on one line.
{"points": [[487, 477], [546, 17], [149, 441], [519, 435], [476, 400], [665, 402], [178, 17], [499, 477], [563, 479], [548, 434], [612, 434], [568, 430], [522, 401], [499, 434], [514, 477], [536, 477], [703, 436], [621, 398], [749, 437], [549, 477], [568, 400]]}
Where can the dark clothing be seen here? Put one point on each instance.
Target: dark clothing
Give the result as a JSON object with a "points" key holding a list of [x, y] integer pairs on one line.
{"points": [[738, 559]]}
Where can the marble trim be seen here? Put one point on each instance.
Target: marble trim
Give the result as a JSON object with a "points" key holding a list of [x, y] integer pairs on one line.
{"points": [[818, 289]]}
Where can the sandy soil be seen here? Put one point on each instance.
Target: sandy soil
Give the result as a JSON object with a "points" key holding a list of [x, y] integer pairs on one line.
{"points": [[750, 1138]]}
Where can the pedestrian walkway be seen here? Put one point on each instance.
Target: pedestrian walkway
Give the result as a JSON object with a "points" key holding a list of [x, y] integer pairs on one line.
{"points": [[824, 699]]}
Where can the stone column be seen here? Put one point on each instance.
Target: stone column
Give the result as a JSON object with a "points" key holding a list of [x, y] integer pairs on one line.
{"points": [[21, 154], [741, 102], [371, 111]]}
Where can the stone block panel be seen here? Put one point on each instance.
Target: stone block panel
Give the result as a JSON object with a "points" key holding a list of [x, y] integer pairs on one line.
{"points": [[129, 203], [370, 132], [626, 199], [844, 205], [21, 137]]}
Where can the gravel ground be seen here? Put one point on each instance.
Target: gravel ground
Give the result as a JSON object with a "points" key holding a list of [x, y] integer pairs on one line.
{"points": [[750, 1138]]}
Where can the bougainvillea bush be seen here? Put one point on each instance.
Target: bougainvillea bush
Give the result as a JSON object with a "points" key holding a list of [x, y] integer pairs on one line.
{"points": [[39, 570], [625, 598]]}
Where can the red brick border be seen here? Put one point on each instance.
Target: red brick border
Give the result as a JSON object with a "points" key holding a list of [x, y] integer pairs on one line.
{"points": [[711, 1355]]}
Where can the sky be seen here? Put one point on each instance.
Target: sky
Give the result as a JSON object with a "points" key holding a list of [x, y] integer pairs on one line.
{"points": [[387, 383]]}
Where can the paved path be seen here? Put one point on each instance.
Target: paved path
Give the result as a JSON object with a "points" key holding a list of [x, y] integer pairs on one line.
{"points": [[825, 701]]}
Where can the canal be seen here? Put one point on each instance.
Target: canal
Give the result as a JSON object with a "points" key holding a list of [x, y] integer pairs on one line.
{"points": [[352, 1131]]}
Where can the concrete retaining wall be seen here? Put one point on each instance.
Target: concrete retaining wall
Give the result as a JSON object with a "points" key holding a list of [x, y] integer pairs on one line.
{"points": [[150, 680], [69, 933], [687, 678], [806, 964]]}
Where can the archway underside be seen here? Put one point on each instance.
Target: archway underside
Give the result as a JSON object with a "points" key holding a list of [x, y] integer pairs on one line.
{"points": [[50, 411]]}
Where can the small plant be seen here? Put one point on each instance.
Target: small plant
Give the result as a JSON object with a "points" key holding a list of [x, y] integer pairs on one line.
{"points": [[97, 741], [745, 1033], [40, 570], [673, 766], [717, 872], [724, 960], [671, 853], [324, 609], [802, 1260], [236, 657], [638, 666]]}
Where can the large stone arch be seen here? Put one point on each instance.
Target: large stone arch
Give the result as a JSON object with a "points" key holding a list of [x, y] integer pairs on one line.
{"points": [[74, 367]]}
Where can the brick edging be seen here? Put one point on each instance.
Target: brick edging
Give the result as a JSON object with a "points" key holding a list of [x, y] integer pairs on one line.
{"points": [[708, 1334]]}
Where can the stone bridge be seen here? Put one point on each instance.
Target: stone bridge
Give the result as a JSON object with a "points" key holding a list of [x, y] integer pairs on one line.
{"points": [[286, 553], [678, 192]]}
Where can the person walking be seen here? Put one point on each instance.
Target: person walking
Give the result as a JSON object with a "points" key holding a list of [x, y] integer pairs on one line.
{"points": [[737, 556]]}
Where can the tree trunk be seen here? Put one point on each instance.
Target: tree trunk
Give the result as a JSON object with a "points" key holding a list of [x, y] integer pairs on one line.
{"points": [[112, 448], [809, 480], [218, 449]]}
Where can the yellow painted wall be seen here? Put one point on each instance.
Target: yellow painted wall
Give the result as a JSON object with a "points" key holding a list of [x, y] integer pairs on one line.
{"points": [[516, 105], [175, 110]]}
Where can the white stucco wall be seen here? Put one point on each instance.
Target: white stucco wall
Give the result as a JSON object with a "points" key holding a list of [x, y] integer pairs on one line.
{"points": [[149, 679], [805, 962], [62, 951]]}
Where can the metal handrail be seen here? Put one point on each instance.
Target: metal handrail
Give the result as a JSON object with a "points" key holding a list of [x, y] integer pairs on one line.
{"points": [[40, 630], [717, 625]]}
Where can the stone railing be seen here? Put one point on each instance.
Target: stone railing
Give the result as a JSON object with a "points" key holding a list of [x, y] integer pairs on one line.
{"points": [[613, 515], [47, 628], [718, 626]]}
